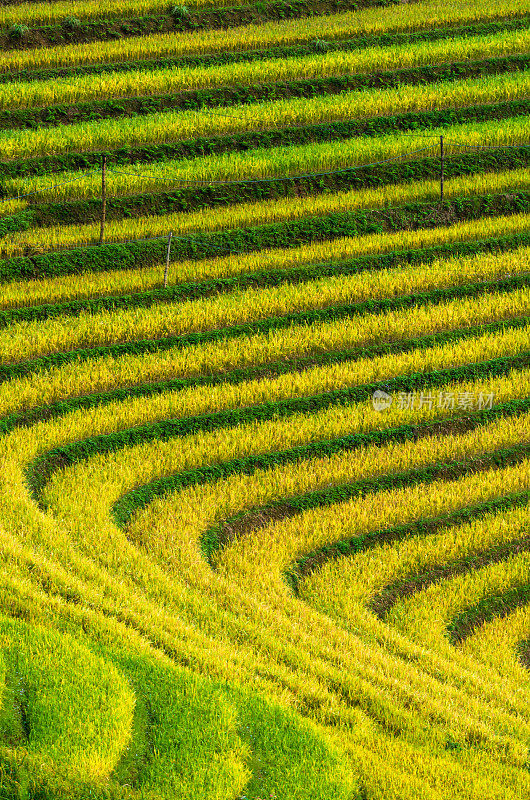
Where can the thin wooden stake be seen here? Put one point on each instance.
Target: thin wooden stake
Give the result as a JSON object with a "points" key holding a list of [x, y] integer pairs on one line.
{"points": [[166, 271], [103, 197], [441, 168]]}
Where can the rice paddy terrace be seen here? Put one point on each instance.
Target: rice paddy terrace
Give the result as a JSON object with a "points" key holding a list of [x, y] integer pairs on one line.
{"points": [[264, 483]]}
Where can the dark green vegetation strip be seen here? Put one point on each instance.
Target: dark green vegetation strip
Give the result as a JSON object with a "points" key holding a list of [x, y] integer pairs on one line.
{"points": [[383, 601], [243, 94], [77, 31], [139, 498], [239, 191], [251, 519], [333, 313], [495, 605], [40, 472], [135, 255], [266, 370], [293, 51], [196, 290], [18, 222]]}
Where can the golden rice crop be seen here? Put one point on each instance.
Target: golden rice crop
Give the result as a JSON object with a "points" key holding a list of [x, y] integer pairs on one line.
{"points": [[8, 207], [329, 526], [425, 617], [269, 162], [212, 502], [112, 371], [370, 21], [313, 381], [496, 641], [260, 213], [300, 428], [21, 293], [357, 517], [347, 582], [401, 712], [35, 13], [28, 339], [215, 653], [144, 82], [177, 125], [109, 476], [361, 747], [287, 539], [337, 419]]}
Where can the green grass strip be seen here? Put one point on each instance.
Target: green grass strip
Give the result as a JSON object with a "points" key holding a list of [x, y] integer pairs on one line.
{"points": [[291, 234], [237, 57], [198, 197], [496, 605], [266, 278], [328, 314], [64, 114], [140, 497], [315, 559], [42, 469]]}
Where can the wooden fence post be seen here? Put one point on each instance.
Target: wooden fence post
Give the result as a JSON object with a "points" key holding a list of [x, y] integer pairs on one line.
{"points": [[166, 271], [441, 168], [103, 197]]}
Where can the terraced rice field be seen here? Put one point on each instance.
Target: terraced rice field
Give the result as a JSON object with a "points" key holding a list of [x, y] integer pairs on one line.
{"points": [[264, 483]]}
